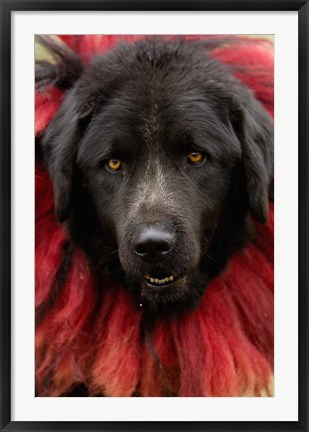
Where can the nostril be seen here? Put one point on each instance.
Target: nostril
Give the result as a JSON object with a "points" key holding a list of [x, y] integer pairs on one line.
{"points": [[140, 249], [164, 246]]}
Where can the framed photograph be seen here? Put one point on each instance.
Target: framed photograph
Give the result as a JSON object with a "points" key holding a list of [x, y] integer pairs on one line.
{"points": [[154, 215]]}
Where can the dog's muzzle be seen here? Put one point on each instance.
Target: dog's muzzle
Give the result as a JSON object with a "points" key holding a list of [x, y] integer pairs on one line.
{"points": [[152, 244]]}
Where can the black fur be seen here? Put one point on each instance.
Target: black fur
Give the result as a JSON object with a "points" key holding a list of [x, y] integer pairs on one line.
{"points": [[150, 104]]}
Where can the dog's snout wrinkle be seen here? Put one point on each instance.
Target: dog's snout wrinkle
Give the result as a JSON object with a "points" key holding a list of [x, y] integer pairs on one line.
{"points": [[152, 242]]}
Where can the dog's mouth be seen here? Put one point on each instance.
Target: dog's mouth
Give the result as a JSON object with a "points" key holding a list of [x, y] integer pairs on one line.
{"points": [[161, 283]]}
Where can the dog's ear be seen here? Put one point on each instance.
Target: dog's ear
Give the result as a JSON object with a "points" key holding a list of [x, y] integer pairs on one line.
{"points": [[254, 129], [60, 141], [60, 144]]}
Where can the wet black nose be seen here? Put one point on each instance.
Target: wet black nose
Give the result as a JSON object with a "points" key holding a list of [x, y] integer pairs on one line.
{"points": [[152, 242]]}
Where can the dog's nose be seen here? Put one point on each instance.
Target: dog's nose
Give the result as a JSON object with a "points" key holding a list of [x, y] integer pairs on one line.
{"points": [[152, 242]]}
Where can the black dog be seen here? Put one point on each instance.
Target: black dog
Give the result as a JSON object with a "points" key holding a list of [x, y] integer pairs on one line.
{"points": [[157, 155]]}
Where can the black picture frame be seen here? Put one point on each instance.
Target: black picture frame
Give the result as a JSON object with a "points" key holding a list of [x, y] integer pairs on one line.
{"points": [[7, 6]]}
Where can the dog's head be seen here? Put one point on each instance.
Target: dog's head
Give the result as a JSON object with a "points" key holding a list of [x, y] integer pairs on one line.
{"points": [[157, 155]]}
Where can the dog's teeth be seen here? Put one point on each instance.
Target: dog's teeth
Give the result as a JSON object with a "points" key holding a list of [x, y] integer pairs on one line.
{"points": [[159, 281]]}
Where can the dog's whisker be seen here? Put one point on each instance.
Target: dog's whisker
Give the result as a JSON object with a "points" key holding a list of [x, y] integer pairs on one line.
{"points": [[111, 253], [208, 256]]}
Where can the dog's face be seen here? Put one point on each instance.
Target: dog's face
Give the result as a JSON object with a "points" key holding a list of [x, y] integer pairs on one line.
{"points": [[157, 154]]}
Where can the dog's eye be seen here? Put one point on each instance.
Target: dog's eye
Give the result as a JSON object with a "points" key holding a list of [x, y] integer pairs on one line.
{"points": [[196, 158], [114, 164]]}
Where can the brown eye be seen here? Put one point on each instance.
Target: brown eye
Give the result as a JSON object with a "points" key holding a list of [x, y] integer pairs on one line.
{"points": [[114, 164], [196, 158]]}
